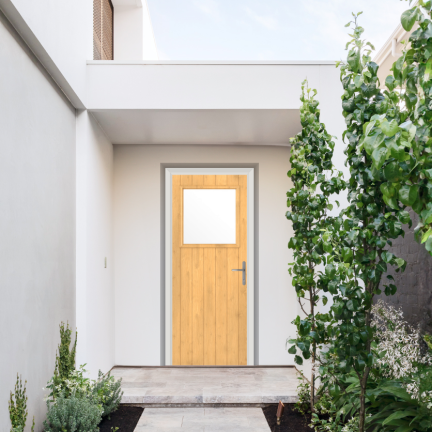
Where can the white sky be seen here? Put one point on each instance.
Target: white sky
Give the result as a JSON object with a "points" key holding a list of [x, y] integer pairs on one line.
{"points": [[266, 29]]}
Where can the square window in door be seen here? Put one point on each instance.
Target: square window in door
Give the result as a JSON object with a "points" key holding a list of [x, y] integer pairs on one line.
{"points": [[209, 216]]}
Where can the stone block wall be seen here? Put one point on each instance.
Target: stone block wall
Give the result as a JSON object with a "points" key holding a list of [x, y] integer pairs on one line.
{"points": [[414, 286]]}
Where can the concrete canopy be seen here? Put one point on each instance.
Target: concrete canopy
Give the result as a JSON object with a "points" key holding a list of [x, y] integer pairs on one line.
{"points": [[164, 102]]}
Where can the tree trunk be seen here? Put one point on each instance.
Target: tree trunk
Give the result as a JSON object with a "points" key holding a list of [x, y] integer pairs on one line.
{"points": [[312, 385], [362, 413]]}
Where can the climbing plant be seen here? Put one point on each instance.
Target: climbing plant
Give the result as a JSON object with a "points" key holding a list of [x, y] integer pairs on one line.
{"points": [[358, 255], [314, 180]]}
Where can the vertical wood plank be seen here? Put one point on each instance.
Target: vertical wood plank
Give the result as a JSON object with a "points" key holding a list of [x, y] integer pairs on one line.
{"points": [[221, 306], [209, 306], [198, 306], [221, 180], [243, 257], [176, 271], [234, 281], [209, 180], [186, 180], [197, 180], [186, 306], [232, 180]]}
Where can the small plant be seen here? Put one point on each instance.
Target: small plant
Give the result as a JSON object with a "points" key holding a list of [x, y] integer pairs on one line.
{"points": [[65, 362], [303, 391], [18, 408], [108, 392], [76, 384], [326, 417], [72, 414]]}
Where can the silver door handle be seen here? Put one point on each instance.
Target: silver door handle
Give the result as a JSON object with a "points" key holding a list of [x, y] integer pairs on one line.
{"points": [[243, 269]]}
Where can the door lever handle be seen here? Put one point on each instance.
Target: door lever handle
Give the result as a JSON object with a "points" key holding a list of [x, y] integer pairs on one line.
{"points": [[243, 269]]}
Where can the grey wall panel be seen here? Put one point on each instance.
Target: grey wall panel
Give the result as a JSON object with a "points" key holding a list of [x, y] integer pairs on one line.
{"points": [[414, 293]]}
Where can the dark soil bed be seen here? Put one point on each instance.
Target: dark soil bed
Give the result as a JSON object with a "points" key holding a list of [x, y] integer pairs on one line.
{"points": [[125, 418], [292, 421]]}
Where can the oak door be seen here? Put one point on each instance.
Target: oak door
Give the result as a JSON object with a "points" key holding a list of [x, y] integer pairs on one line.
{"points": [[209, 270]]}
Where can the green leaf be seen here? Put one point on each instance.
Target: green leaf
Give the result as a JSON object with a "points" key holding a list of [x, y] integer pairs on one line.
{"points": [[398, 415], [404, 428], [324, 300], [404, 217], [352, 305], [379, 156], [292, 350], [408, 194], [400, 262], [389, 82], [304, 328], [298, 360], [408, 18], [428, 71], [330, 271], [347, 255], [389, 128], [392, 171], [354, 339], [428, 245], [373, 141], [426, 235], [387, 256], [354, 60]]}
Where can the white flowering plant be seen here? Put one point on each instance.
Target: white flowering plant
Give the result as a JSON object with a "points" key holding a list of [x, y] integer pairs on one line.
{"points": [[404, 354], [400, 394], [76, 384]]}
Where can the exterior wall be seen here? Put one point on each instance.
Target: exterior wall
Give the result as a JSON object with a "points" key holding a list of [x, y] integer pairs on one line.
{"points": [[95, 289], [414, 294], [133, 32], [65, 31], [37, 222], [138, 241]]}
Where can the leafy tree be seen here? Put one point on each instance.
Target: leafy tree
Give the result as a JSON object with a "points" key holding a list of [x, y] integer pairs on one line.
{"points": [[359, 258], [409, 165], [309, 199]]}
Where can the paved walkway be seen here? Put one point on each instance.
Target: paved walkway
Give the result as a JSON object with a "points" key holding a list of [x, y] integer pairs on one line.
{"points": [[207, 386], [202, 420]]}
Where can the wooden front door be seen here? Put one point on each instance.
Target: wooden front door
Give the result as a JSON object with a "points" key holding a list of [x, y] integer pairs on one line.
{"points": [[209, 299]]}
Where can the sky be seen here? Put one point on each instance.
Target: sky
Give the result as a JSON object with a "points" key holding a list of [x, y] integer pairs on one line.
{"points": [[266, 29]]}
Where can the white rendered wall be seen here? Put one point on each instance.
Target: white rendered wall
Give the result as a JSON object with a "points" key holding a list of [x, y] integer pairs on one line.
{"points": [[95, 289], [37, 223], [65, 30], [133, 32], [137, 245]]}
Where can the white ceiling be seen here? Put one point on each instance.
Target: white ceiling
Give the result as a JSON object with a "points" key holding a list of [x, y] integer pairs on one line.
{"points": [[253, 126]]}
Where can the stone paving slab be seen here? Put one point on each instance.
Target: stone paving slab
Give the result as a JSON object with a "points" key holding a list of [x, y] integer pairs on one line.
{"points": [[202, 420], [207, 385]]}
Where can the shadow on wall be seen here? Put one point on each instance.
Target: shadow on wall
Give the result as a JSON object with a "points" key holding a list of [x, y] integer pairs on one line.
{"points": [[414, 286]]}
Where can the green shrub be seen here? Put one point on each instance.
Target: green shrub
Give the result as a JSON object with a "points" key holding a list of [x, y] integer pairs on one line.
{"points": [[65, 362], [75, 385], [18, 408], [73, 414], [303, 392], [108, 392]]}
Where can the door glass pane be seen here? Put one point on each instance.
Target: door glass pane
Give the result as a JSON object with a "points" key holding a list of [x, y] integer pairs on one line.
{"points": [[209, 216]]}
